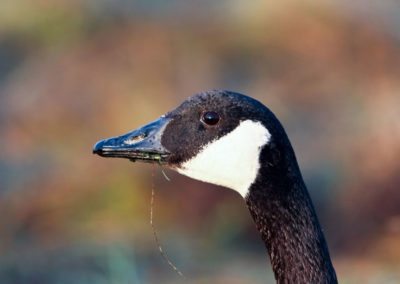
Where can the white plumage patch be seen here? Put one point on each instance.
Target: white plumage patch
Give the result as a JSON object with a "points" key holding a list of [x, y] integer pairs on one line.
{"points": [[232, 160]]}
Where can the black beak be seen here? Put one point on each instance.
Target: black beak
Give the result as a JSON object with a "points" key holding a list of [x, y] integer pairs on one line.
{"points": [[143, 144]]}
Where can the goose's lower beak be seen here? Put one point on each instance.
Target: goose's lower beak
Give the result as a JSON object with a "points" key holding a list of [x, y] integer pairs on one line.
{"points": [[143, 144]]}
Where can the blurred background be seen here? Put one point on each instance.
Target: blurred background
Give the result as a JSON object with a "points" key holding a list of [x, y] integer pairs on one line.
{"points": [[76, 71]]}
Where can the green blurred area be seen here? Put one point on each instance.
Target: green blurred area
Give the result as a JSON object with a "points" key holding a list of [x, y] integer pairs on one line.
{"points": [[73, 72]]}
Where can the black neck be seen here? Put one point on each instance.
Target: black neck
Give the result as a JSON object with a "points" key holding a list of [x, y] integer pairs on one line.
{"points": [[283, 212]]}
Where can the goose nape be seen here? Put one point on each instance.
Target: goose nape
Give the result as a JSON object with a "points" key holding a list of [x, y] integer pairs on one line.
{"points": [[232, 140]]}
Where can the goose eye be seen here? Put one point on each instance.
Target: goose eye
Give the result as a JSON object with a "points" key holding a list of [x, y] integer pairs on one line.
{"points": [[210, 118]]}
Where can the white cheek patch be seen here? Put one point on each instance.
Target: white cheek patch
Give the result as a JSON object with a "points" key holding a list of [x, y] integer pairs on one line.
{"points": [[232, 160]]}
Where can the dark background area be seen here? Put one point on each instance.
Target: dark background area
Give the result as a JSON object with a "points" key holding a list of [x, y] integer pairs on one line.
{"points": [[73, 72]]}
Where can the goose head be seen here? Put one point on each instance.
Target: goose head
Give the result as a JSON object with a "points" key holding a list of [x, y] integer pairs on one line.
{"points": [[216, 137]]}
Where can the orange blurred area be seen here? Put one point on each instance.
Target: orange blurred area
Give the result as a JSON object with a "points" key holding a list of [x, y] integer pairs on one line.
{"points": [[74, 72]]}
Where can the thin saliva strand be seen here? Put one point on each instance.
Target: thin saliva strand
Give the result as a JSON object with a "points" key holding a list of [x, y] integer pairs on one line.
{"points": [[164, 174], [155, 235]]}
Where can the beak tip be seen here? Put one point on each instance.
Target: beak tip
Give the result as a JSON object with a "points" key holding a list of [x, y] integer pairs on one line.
{"points": [[98, 148]]}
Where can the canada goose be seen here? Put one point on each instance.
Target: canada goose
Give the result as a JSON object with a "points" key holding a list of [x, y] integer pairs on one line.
{"points": [[232, 140]]}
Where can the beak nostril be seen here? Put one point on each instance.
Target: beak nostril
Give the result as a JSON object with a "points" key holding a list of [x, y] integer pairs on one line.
{"points": [[135, 139]]}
